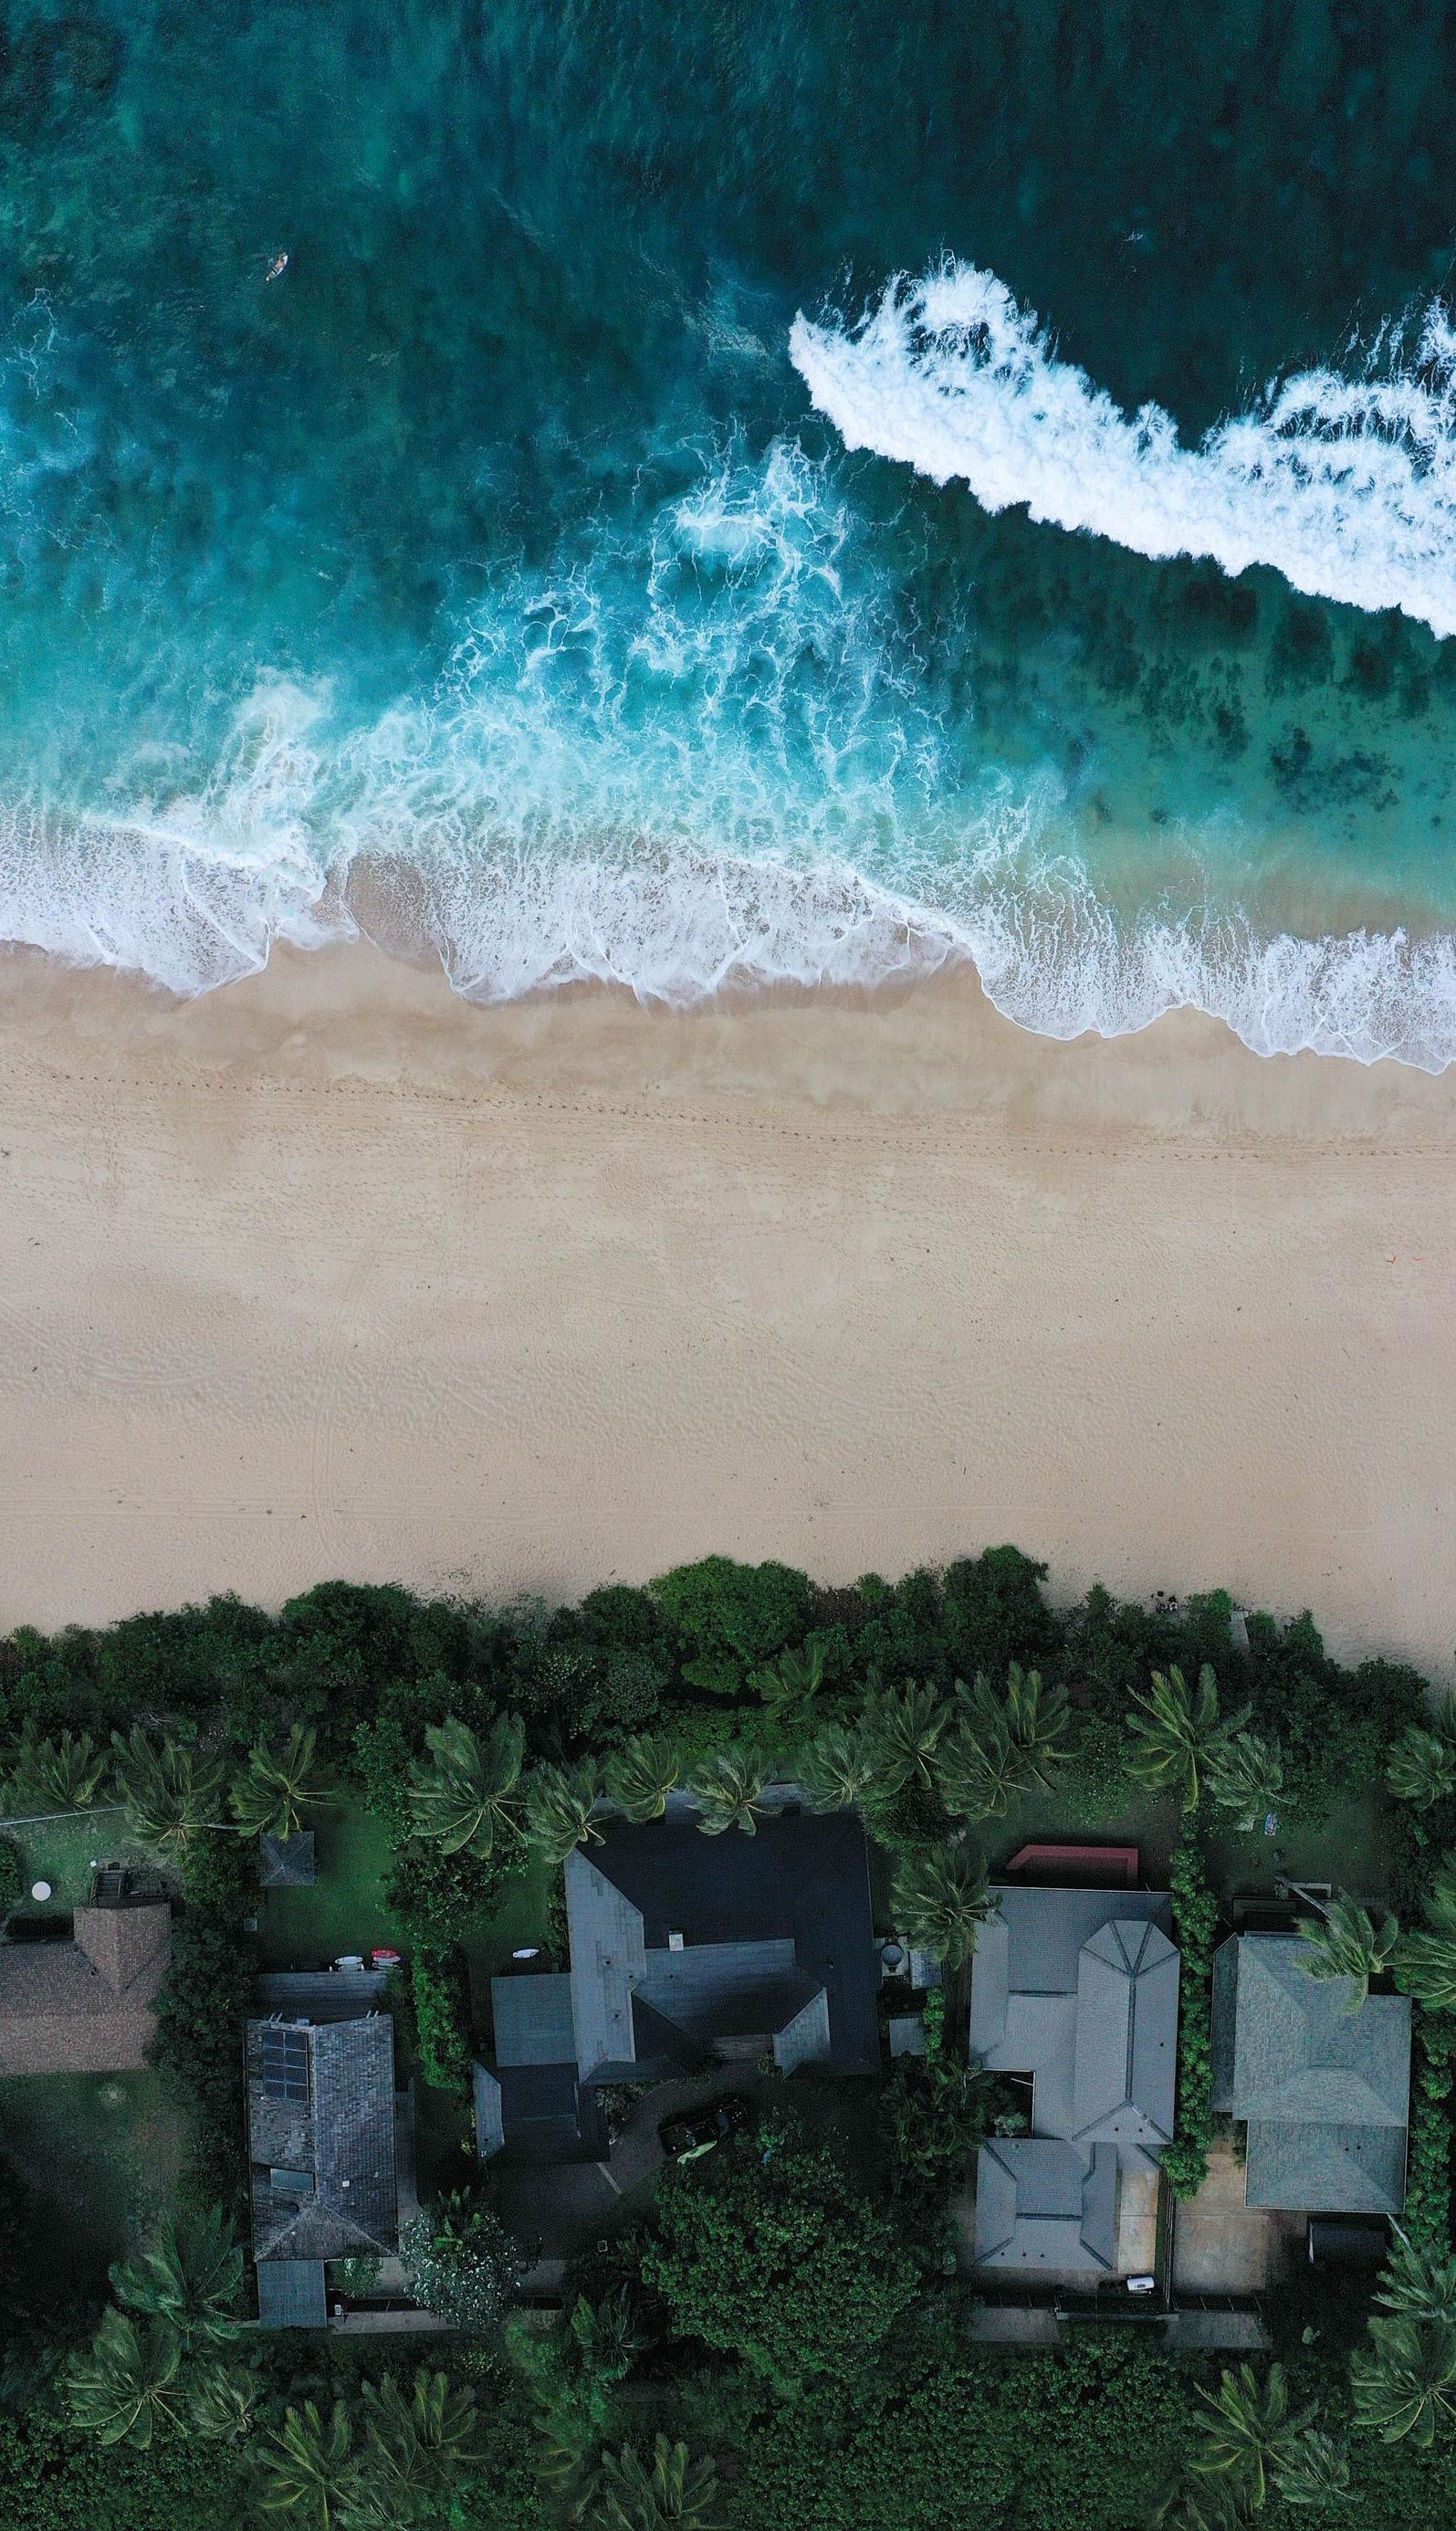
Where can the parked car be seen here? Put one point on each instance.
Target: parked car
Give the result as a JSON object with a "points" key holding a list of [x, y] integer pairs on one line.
{"points": [[684, 2139]]}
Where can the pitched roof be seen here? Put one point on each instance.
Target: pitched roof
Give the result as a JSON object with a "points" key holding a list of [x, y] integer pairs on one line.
{"points": [[291, 2294], [1326, 2091], [1078, 1989], [322, 2160], [1043, 2204], [287, 1862], [85, 2006], [766, 1923]]}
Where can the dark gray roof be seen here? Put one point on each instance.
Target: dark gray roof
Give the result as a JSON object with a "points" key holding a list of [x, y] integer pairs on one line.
{"points": [[322, 1994], [323, 2166], [765, 1922], [1326, 2091], [285, 1862], [291, 2294], [1043, 2204]]}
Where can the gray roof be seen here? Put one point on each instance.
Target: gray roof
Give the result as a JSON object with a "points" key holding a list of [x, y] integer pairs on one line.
{"points": [[323, 1994], [291, 2294], [285, 1862], [532, 2020], [1078, 1989], [1326, 2091], [1044, 2204], [322, 2167]]}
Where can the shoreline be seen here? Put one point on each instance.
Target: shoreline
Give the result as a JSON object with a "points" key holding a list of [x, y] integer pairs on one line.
{"points": [[331, 1272]]}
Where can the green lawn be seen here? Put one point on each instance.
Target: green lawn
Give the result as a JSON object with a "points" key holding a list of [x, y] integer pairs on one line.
{"points": [[345, 1910], [521, 1918], [106, 2153], [1348, 1846], [63, 1850]]}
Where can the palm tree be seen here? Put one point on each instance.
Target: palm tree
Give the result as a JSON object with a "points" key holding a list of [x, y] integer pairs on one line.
{"points": [[61, 1774], [676, 2488], [1179, 1733], [1403, 2383], [901, 1726], [641, 1774], [462, 1796], [170, 1792], [791, 1688], [1426, 1960], [125, 2386], [1423, 1764], [1418, 2285], [220, 2402], [1196, 2505], [559, 1802], [420, 2446], [1249, 2433], [942, 1900], [979, 1772], [728, 1787], [1346, 1943], [1246, 1778], [1039, 1721], [1317, 2472], [189, 2276], [305, 2468], [836, 1769], [278, 1784], [606, 2337]]}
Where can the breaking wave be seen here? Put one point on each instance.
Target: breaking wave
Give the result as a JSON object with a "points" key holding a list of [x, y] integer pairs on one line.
{"points": [[1346, 485], [703, 748]]}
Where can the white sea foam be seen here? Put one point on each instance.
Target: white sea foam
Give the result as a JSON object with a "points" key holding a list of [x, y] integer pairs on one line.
{"points": [[1346, 485], [699, 753]]}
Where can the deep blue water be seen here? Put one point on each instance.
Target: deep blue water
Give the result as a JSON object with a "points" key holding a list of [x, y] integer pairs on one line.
{"points": [[494, 573]]}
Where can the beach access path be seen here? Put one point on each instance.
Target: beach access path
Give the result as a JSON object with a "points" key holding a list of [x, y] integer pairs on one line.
{"points": [[333, 1274]]}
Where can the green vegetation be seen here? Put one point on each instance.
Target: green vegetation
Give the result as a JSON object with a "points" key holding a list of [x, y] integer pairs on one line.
{"points": [[1194, 1924], [777, 2335]]}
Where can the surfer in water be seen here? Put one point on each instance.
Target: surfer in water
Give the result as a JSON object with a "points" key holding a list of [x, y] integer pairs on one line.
{"points": [[277, 268]]}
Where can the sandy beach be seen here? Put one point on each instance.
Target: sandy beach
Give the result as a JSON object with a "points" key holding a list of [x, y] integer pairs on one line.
{"points": [[330, 1273]]}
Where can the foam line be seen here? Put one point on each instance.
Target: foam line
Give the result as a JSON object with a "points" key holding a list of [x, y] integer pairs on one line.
{"points": [[1345, 486]]}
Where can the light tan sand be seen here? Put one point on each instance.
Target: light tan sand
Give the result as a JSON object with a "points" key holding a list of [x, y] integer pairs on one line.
{"points": [[331, 1274]]}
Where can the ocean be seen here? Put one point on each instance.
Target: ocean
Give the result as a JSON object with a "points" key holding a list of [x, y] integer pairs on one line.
{"points": [[689, 496]]}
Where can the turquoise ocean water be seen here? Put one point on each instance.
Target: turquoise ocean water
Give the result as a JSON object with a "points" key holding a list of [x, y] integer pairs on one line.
{"points": [[745, 493]]}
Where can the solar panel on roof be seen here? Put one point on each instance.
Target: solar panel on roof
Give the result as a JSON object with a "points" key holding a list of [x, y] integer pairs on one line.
{"points": [[284, 2064]]}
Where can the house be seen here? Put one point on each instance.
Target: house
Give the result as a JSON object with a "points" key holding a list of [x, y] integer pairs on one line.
{"points": [[86, 2005], [686, 1951], [320, 2138], [1077, 1990], [1323, 2091]]}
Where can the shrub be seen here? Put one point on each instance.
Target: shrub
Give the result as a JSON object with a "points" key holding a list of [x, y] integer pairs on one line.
{"points": [[1427, 2207], [11, 1876], [200, 2011], [441, 1992], [461, 2265], [1194, 1920], [730, 1618], [766, 2250]]}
